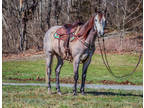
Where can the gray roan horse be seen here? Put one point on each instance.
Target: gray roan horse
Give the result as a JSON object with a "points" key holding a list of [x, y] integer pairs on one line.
{"points": [[81, 50]]}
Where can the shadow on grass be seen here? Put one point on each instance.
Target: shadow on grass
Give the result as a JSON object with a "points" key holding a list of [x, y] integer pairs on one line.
{"points": [[94, 93], [111, 94]]}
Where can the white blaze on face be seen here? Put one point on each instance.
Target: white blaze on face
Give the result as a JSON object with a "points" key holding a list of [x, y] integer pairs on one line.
{"points": [[99, 24]]}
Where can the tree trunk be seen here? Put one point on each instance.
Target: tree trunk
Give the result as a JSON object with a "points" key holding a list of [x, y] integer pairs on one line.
{"points": [[49, 13]]}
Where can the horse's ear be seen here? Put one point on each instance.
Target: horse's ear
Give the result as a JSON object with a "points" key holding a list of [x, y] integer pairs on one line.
{"points": [[95, 9], [105, 11]]}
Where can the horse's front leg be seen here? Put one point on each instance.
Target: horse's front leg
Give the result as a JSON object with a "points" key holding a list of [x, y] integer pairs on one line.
{"points": [[75, 69], [84, 71], [57, 71]]}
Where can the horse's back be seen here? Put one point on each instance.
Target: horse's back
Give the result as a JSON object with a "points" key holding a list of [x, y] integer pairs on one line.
{"points": [[50, 31]]}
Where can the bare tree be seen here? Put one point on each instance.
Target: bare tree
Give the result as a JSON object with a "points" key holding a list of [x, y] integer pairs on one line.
{"points": [[25, 22]]}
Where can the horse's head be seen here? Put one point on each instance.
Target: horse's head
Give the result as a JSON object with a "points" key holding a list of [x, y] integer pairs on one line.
{"points": [[99, 22]]}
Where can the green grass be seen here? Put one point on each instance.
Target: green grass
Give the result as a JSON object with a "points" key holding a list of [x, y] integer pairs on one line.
{"points": [[37, 97], [120, 64]]}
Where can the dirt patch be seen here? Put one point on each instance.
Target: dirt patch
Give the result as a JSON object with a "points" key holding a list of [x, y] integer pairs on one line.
{"points": [[119, 83], [27, 55], [69, 80], [63, 80]]}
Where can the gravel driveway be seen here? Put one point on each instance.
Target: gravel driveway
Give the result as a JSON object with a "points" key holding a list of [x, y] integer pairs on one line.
{"points": [[93, 86]]}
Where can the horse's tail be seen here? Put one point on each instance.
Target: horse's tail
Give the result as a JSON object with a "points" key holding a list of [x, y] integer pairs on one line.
{"points": [[46, 41]]}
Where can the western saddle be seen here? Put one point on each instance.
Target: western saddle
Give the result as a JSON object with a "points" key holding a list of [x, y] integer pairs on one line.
{"points": [[65, 33]]}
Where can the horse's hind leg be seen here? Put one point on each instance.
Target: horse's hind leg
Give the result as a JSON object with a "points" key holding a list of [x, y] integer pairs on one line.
{"points": [[49, 58], [57, 71]]}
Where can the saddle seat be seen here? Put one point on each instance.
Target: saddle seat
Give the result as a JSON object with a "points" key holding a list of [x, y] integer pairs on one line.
{"points": [[68, 30]]}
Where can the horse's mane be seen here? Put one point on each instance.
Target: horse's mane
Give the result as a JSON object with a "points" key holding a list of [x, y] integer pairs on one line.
{"points": [[86, 28]]}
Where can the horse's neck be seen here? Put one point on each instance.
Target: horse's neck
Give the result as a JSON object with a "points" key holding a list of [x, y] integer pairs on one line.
{"points": [[86, 27], [91, 37]]}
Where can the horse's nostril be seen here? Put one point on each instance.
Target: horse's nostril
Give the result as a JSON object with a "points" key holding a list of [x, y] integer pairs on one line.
{"points": [[102, 33]]}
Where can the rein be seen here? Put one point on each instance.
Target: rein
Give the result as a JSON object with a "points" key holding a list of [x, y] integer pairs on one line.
{"points": [[105, 61]]}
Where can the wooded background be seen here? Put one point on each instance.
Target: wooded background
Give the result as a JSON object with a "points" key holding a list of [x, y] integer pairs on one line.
{"points": [[25, 22]]}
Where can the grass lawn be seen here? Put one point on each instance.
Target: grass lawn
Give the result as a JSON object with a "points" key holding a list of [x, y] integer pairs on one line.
{"points": [[33, 69], [37, 97]]}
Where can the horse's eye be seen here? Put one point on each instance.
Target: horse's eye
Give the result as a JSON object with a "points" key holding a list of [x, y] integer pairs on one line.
{"points": [[95, 20]]}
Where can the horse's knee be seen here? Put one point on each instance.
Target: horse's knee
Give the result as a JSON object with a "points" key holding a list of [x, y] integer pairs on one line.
{"points": [[48, 71], [58, 67], [76, 76], [84, 76]]}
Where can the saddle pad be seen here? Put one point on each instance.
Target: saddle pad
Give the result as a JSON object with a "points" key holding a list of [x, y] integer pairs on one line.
{"points": [[62, 37]]}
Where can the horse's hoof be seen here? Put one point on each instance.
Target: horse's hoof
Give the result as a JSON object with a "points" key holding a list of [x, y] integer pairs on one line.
{"points": [[80, 90], [74, 94], [59, 93], [82, 93], [49, 91]]}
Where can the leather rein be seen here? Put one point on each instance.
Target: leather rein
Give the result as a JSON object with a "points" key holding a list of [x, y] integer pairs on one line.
{"points": [[105, 61]]}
